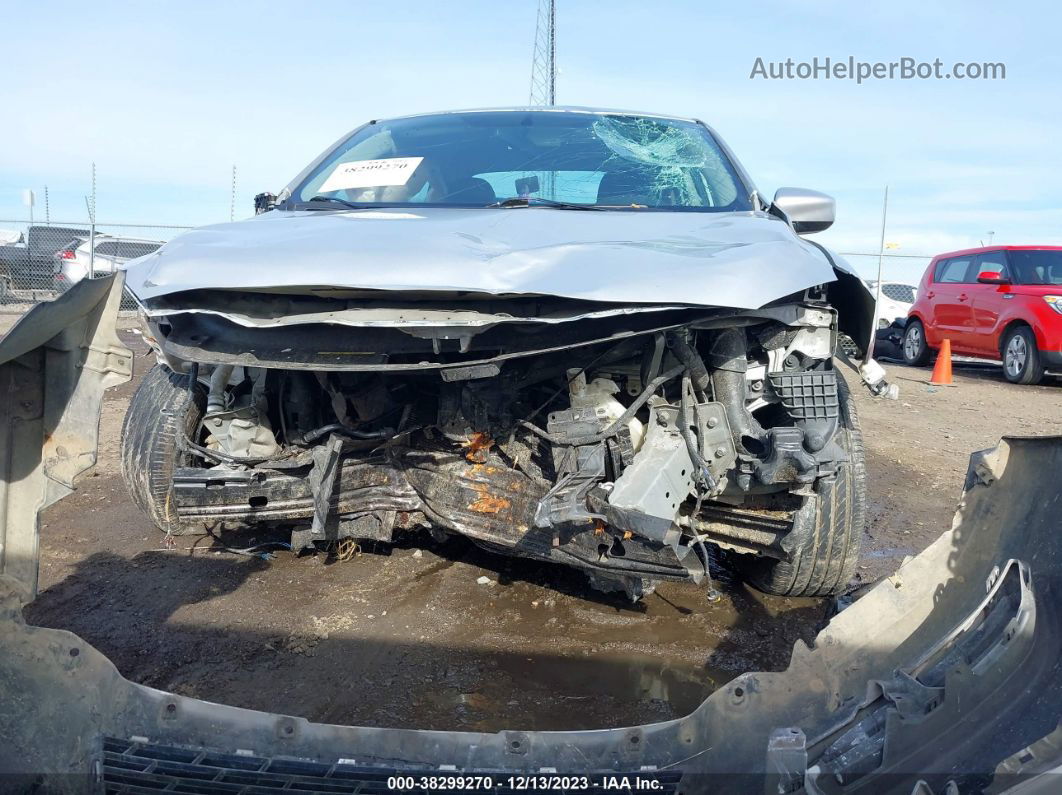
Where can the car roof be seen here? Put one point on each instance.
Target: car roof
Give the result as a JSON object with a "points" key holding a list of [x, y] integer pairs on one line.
{"points": [[982, 249], [546, 109]]}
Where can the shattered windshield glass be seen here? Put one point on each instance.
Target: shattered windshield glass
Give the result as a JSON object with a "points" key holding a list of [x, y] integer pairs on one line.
{"points": [[477, 159]]}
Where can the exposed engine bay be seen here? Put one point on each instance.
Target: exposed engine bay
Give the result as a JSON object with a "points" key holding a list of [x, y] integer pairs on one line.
{"points": [[621, 444]]}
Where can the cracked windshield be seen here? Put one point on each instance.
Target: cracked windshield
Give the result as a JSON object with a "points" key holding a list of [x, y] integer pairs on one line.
{"points": [[569, 159]]}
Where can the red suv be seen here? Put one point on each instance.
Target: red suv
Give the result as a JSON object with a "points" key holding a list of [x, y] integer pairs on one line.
{"points": [[1002, 302]]}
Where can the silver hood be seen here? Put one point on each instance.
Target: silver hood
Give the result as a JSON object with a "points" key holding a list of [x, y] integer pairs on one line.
{"points": [[738, 260]]}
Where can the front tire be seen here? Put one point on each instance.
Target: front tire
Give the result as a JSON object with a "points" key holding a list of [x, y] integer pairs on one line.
{"points": [[161, 408], [1022, 363], [827, 530], [916, 351]]}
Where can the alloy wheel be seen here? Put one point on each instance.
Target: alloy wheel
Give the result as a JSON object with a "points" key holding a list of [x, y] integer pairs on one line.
{"points": [[1016, 355], [912, 343]]}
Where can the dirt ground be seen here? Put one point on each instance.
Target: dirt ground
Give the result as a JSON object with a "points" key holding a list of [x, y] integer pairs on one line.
{"points": [[407, 636]]}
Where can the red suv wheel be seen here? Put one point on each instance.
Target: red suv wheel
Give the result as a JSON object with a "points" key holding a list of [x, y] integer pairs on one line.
{"points": [[1021, 357], [916, 352]]}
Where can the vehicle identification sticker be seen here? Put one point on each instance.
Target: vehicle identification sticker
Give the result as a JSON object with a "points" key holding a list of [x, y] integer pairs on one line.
{"points": [[372, 173]]}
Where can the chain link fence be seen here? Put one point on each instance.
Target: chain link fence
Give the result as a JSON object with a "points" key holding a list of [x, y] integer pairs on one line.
{"points": [[901, 268], [40, 261]]}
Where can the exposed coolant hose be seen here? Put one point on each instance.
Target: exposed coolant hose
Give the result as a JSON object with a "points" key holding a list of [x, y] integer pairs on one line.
{"points": [[312, 436], [219, 457], [219, 379], [692, 360], [728, 357]]}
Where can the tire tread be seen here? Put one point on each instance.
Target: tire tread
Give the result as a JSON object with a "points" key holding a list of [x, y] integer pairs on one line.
{"points": [[827, 528], [149, 441]]}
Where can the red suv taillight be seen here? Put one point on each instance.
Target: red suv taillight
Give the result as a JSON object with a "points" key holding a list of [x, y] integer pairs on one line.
{"points": [[65, 254]]}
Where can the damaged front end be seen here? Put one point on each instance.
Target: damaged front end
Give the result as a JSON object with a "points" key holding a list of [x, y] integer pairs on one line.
{"points": [[617, 438], [957, 688]]}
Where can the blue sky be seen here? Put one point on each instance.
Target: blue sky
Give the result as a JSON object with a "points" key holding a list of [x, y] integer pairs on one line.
{"points": [[166, 97]]}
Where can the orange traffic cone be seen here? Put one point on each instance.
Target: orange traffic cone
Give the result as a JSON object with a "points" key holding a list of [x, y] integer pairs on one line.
{"points": [[942, 369]]}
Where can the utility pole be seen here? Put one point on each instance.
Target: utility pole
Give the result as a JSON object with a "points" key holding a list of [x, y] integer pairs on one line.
{"points": [[552, 52], [544, 76], [544, 56]]}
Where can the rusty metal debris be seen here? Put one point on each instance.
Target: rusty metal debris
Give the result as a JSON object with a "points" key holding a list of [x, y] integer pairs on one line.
{"points": [[477, 446]]}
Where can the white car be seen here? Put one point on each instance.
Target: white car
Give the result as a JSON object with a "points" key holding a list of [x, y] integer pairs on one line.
{"points": [[896, 301], [75, 260]]}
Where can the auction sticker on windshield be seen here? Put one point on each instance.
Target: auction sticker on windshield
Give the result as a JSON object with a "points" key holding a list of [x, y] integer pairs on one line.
{"points": [[387, 172]]}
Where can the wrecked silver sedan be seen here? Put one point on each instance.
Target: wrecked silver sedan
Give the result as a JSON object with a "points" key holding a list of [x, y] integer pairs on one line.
{"points": [[578, 336]]}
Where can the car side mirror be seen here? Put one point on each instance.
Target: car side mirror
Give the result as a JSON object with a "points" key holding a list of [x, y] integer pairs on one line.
{"points": [[992, 277], [264, 202], [807, 210]]}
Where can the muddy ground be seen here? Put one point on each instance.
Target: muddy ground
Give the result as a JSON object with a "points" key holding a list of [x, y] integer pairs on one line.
{"points": [[407, 636]]}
